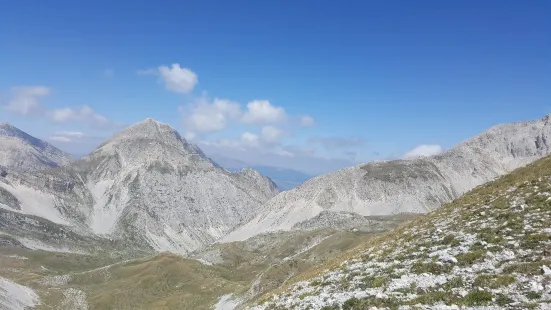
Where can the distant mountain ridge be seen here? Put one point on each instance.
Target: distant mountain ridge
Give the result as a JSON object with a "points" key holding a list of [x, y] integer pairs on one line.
{"points": [[145, 185], [416, 185], [24, 152], [285, 178]]}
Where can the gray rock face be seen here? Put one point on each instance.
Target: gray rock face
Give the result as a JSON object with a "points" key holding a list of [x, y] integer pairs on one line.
{"points": [[146, 185], [26, 153], [416, 185]]}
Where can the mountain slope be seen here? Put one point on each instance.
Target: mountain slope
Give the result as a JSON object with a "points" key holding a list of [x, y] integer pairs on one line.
{"points": [[23, 152], [490, 248], [146, 185], [416, 185]]}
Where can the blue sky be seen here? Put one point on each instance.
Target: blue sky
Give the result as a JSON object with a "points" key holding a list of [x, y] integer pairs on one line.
{"points": [[246, 78]]}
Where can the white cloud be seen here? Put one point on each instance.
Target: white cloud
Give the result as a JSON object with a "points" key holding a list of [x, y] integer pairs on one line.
{"points": [[424, 150], [249, 139], [262, 111], [25, 99], [175, 78], [306, 121], [60, 139], [76, 134], [83, 114], [271, 134], [205, 116]]}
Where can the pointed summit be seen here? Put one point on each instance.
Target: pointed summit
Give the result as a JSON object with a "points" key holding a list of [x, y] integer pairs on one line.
{"points": [[151, 141], [150, 130]]}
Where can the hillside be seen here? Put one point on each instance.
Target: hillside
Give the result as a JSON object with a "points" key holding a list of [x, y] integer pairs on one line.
{"points": [[23, 152], [223, 274], [414, 185], [489, 249]]}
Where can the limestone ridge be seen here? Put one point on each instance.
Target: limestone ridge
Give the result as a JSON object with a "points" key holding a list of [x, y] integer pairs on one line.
{"points": [[416, 185], [489, 249], [146, 185], [23, 152]]}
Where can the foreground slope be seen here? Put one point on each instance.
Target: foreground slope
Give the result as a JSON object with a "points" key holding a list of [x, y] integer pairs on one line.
{"points": [[146, 186], [19, 150], [491, 248], [230, 273], [415, 185]]}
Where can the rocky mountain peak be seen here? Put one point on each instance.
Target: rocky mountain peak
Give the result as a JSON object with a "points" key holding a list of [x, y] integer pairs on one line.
{"points": [[150, 141], [24, 152], [149, 129]]}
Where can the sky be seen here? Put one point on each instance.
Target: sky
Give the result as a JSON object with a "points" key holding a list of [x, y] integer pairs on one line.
{"points": [[308, 85]]}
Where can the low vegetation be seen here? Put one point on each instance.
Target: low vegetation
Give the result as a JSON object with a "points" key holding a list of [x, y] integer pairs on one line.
{"points": [[490, 247]]}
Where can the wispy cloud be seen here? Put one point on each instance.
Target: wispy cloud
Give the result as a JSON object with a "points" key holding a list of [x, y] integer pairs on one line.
{"points": [[332, 143], [26, 101]]}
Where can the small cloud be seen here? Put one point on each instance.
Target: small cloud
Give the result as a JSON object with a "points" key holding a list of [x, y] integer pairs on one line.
{"points": [[76, 134], [271, 134], [332, 143], [25, 99], [60, 139], [83, 114], [306, 121], [175, 78], [205, 116], [263, 112], [424, 150]]}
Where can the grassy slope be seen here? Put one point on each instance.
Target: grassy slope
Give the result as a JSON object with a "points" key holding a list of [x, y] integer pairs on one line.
{"points": [[485, 248], [167, 281]]}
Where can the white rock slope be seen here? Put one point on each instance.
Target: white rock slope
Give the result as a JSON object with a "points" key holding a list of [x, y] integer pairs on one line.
{"points": [[19, 150], [16, 297], [417, 185], [146, 185]]}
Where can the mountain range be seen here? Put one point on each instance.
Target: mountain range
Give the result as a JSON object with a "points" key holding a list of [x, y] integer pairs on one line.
{"points": [[93, 232], [404, 186]]}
